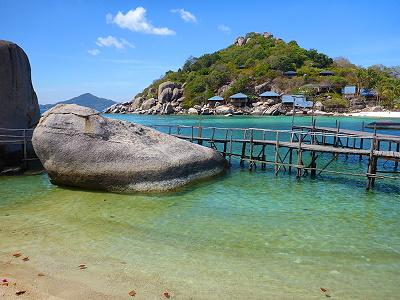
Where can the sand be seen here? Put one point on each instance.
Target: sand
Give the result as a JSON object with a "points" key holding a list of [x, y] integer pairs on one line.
{"points": [[376, 114], [69, 283]]}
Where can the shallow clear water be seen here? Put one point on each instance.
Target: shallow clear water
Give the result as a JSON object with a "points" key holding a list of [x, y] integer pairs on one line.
{"points": [[245, 235]]}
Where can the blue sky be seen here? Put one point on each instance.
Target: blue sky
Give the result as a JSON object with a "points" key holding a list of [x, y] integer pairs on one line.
{"points": [[114, 49]]}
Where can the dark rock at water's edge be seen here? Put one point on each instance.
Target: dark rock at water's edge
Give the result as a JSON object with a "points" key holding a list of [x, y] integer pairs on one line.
{"points": [[80, 148], [19, 106], [86, 99]]}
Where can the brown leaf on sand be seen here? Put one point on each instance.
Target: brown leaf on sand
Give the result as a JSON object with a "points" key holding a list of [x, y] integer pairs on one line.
{"points": [[132, 293], [324, 290], [82, 266], [167, 294], [25, 258], [17, 254], [19, 293], [40, 274]]}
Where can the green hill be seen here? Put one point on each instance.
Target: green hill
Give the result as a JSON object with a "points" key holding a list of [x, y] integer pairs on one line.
{"points": [[87, 100], [260, 59]]}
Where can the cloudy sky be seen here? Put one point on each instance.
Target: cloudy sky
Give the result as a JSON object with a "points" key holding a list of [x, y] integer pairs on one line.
{"points": [[114, 49]]}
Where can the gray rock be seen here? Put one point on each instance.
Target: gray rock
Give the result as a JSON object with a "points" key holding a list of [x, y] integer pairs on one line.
{"points": [[168, 109], [123, 156], [148, 104], [165, 95], [261, 88], [223, 110], [165, 85], [240, 41], [19, 107], [273, 109], [193, 111], [176, 94], [137, 103]]}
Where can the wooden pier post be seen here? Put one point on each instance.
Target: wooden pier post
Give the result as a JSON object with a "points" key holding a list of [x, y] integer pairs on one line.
{"points": [[230, 148], [291, 154], [396, 164], [25, 151], [299, 158], [251, 163], [199, 133], [276, 153], [372, 162]]}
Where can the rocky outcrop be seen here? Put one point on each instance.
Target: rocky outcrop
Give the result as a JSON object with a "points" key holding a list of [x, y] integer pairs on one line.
{"points": [[18, 101], [148, 103], [123, 156], [19, 104]]}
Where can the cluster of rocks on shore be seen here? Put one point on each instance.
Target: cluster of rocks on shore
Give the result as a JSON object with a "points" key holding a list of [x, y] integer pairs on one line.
{"points": [[170, 101]]}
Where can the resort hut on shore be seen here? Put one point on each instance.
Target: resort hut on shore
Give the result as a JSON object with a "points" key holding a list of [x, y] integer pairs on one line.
{"points": [[270, 95], [349, 91], [299, 101], [211, 101], [290, 74], [326, 73], [239, 99]]}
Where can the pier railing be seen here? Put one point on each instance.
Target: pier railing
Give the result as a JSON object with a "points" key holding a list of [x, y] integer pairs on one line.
{"points": [[18, 137], [294, 143]]}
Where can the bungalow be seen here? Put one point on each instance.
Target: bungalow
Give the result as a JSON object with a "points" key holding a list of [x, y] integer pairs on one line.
{"points": [[270, 95], [368, 93], [239, 100], [290, 73], [299, 101], [211, 101], [349, 91], [326, 73]]}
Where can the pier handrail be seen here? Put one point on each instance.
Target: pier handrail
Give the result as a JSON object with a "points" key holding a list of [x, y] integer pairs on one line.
{"points": [[288, 131]]}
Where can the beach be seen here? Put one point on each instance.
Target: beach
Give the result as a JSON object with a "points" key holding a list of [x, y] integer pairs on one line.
{"points": [[242, 235], [375, 114]]}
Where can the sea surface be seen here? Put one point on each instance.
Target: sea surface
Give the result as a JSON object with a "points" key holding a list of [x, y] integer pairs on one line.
{"points": [[243, 235]]}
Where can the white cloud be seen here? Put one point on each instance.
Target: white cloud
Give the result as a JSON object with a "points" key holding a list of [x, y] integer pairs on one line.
{"points": [[185, 15], [111, 41], [224, 28], [93, 52], [135, 20]]}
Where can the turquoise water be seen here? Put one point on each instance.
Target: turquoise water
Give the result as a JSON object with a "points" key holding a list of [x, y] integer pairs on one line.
{"points": [[244, 235]]}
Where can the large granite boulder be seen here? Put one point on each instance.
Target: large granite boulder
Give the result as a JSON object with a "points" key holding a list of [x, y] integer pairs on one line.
{"points": [[19, 107], [19, 104], [137, 103], [165, 85], [79, 147], [148, 104], [165, 95]]}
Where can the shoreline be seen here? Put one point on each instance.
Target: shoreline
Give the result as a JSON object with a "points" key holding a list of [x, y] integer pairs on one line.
{"points": [[367, 114]]}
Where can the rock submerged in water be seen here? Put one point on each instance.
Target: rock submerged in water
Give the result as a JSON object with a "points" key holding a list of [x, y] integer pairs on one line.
{"points": [[80, 148]]}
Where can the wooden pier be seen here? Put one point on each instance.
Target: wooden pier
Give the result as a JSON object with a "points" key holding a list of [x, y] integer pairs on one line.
{"points": [[289, 148], [305, 150], [19, 138]]}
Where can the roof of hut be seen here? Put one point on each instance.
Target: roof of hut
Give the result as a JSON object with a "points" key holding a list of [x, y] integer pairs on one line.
{"points": [[299, 100], [269, 94], [216, 98], [326, 72], [349, 90], [238, 96]]}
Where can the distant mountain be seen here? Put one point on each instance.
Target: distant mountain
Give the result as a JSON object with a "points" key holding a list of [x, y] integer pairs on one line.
{"points": [[87, 99]]}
